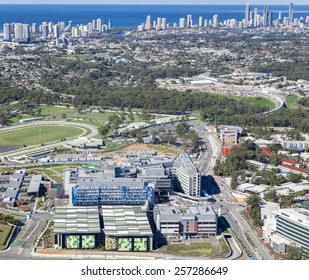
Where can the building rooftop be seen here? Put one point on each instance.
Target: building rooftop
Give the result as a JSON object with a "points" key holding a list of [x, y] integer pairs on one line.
{"points": [[279, 239], [14, 184], [18, 175], [73, 220], [185, 164], [10, 193], [34, 184], [125, 221], [156, 170], [294, 168], [174, 213], [298, 215], [101, 182]]}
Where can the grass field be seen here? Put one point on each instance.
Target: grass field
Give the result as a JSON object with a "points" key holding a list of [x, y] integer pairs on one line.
{"points": [[36, 135], [56, 113], [60, 113], [164, 149], [262, 101], [5, 231], [79, 56], [197, 248], [292, 101]]}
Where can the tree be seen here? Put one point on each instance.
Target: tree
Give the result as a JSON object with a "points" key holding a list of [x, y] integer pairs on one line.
{"points": [[182, 128], [295, 252], [275, 160], [234, 183], [115, 121], [194, 140], [131, 116], [104, 129], [154, 134], [294, 178], [271, 195], [255, 211], [286, 201], [253, 200]]}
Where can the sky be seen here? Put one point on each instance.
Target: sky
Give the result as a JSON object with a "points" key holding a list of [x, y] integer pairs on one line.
{"points": [[189, 2]]}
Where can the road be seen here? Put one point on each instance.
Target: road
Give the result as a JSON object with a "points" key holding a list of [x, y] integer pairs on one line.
{"points": [[224, 199], [94, 132], [22, 246], [234, 210], [213, 150], [279, 101]]}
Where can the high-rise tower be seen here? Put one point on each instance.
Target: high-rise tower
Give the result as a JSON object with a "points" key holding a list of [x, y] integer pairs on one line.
{"points": [[247, 14], [189, 21], [148, 23], [7, 32], [291, 12], [265, 16]]}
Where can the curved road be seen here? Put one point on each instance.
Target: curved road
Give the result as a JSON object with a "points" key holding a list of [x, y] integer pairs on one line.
{"points": [[278, 100]]}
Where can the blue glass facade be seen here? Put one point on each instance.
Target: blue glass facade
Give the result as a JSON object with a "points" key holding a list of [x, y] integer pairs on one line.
{"points": [[111, 195]]}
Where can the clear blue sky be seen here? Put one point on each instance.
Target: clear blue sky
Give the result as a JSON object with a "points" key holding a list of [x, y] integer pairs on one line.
{"points": [[240, 2]]}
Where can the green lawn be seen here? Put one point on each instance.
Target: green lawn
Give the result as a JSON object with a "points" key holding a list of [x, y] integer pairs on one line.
{"points": [[56, 113], [197, 249], [79, 56], [165, 149], [49, 172], [36, 135], [60, 113], [196, 115], [5, 231], [259, 100], [292, 101], [262, 101]]}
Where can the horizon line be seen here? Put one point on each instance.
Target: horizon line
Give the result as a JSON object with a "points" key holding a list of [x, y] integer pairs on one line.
{"points": [[162, 4]]}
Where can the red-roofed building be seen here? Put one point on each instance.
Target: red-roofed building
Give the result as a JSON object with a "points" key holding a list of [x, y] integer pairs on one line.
{"points": [[295, 169], [266, 152], [288, 161], [226, 150]]}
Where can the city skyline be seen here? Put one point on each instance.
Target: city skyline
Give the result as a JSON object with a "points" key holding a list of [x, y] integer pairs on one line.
{"points": [[157, 2]]}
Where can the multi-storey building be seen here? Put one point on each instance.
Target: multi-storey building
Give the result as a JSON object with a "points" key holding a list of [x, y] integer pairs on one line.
{"points": [[7, 32], [199, 221], [293, 224], [185, 176], [118, 191]]}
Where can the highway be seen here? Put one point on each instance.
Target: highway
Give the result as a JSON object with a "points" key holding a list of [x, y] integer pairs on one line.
{"points": [[234, 210], [222, 194], [22, 246], [213, 150], [277, 99], [94, 132]]}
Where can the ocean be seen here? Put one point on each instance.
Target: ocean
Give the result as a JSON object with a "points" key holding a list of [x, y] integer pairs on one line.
{"points": [[129, 16]]}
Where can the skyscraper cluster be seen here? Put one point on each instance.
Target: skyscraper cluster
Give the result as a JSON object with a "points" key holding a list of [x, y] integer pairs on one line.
{"points": [[158, 24], [21, 33], [18, 31], [161, 24], [252, 19]]}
